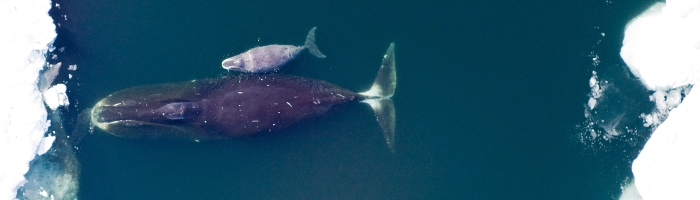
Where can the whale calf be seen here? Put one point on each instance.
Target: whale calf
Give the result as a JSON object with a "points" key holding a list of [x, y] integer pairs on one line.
{"points": [[237, 106], [271, 57]]}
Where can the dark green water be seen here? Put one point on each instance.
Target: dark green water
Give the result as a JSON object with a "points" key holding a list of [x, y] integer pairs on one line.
{"points": [[488, 97]]}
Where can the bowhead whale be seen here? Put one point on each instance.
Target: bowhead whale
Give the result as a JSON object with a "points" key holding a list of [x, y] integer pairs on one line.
{"points": [[237, 106], [271, 57]]}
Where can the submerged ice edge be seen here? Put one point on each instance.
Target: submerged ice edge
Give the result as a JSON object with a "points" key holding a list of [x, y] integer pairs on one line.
{"points": [[23, 117]]}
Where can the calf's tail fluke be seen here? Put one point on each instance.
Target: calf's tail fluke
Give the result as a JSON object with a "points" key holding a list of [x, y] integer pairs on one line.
{"points": [[379, 96], [310, 44]]}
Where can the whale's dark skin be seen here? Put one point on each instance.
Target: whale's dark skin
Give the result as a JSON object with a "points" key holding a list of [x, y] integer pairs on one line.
{"points": [[238, 106], [226, 107]]}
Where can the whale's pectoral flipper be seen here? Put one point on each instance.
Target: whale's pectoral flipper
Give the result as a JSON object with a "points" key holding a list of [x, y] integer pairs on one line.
{"points": [[379, 96], [180, 110]]}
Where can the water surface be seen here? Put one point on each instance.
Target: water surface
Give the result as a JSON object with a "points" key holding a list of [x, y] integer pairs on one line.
{"points": [[489, 95]]}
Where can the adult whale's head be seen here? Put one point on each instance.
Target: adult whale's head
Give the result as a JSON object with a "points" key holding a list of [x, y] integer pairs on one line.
{"points": [[148, 111]]}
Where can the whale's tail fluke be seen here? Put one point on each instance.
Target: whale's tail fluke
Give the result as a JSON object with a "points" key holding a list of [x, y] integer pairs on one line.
{"points": [[310, 44], [379, 96], [386, 117]]}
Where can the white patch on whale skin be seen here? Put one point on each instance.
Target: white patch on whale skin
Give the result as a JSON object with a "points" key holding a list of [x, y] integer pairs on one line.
{"points": [[94, 114], [376, 92]]}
